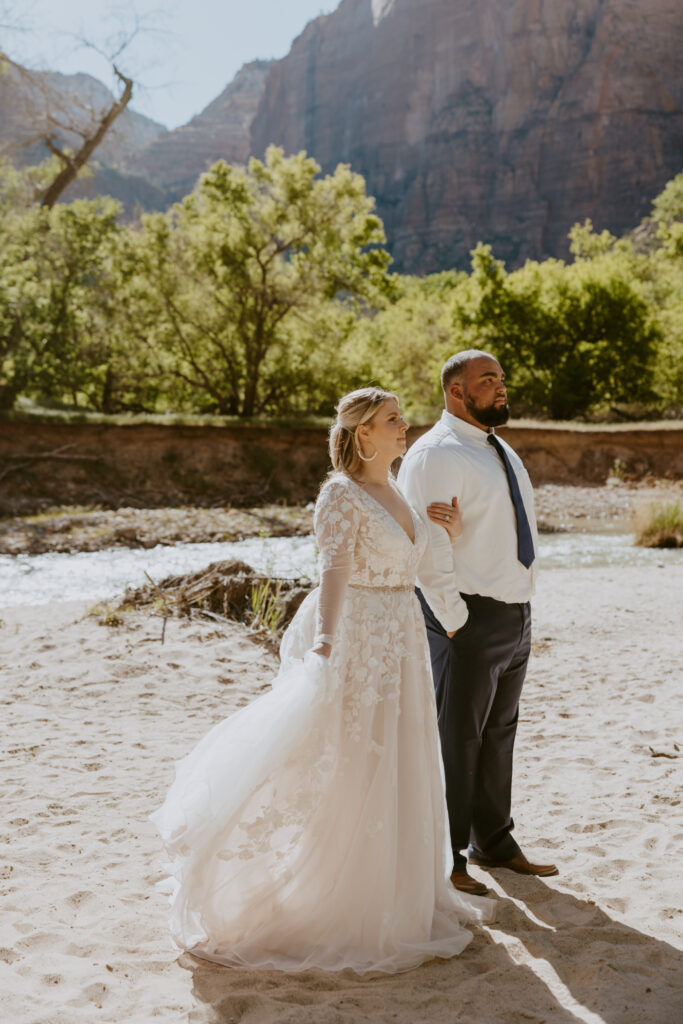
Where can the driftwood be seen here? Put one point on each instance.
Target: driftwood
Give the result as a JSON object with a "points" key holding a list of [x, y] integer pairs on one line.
{"points": [[227, 590], [665, 753]]}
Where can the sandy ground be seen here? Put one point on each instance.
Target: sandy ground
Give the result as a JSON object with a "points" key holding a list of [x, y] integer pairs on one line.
{"points": [[96, 715]]}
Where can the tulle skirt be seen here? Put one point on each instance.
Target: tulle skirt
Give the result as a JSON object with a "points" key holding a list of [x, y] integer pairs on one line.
{"points": [[309, 828]]}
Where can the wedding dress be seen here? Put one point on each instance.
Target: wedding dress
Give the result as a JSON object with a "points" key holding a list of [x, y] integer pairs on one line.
{"points": [[309, 829]]}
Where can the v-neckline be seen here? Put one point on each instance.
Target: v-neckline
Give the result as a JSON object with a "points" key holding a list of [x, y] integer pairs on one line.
{"points": [[411, 540]]}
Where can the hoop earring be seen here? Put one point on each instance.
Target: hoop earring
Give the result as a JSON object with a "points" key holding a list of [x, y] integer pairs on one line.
{"points": [[363, 458]]}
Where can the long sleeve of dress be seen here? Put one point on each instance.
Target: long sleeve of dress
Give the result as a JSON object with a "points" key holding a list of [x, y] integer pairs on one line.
{"points": [[336, 524]]}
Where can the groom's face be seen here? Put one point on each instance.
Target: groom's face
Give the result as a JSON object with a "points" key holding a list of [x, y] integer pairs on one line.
{"points": [[484, 394]]}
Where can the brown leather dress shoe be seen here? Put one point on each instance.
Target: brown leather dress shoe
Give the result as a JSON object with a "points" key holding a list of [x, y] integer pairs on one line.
{"points": [[518, 864], [465, 883]]}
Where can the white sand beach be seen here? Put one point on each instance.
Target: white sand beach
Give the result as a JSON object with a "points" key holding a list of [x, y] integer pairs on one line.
{"points": [[94, 717]]}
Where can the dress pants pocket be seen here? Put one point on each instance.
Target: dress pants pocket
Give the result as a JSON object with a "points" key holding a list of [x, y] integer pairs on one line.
{"points": [[464, 630]]}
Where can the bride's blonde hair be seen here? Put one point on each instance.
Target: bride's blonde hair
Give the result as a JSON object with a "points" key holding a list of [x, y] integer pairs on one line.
{"points": [[353, 409]]}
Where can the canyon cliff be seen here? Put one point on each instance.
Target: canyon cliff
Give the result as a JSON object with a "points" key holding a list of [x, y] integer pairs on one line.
{"points": [[175, 160], [504, 121]]}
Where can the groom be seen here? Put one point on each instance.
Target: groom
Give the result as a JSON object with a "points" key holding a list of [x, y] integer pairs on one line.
{"points": [[475, 599]]}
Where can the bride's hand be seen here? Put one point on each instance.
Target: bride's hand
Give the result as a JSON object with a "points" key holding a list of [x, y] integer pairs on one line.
{"points": [[325, 650], [447, 516]]}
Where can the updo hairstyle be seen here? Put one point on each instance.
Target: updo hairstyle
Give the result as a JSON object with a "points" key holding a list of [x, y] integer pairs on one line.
{"points": [[353, 409]]}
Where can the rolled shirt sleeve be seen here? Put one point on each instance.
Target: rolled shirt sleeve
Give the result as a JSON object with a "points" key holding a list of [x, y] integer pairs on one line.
{"points": [[426, 476]]}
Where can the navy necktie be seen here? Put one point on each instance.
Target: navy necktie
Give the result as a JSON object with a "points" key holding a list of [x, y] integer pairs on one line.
{"points": [[525, 542]]}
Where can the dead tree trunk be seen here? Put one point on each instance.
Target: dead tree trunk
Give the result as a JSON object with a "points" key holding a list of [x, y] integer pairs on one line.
{"points": [[73, 164]]}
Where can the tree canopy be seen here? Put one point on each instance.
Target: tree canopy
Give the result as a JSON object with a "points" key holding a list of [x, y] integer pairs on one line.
{"points": [[267, 291]]}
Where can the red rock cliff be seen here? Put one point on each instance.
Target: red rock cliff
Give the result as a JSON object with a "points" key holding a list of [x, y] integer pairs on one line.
{"points": [[497, 120], [220, 131]]}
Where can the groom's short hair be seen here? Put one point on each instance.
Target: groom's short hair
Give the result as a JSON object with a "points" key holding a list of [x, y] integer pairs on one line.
{"points": [[454, 366]]}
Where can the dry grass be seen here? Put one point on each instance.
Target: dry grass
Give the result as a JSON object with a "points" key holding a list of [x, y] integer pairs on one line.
{"points": [[267, 608], [107, 615], [659, 524]]}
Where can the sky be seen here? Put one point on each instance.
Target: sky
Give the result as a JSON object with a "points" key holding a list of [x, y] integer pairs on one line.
{"points": [[184, 55]]}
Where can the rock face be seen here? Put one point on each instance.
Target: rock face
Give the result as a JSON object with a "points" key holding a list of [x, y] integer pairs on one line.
{"points": [[504, 121], [175, 160]]}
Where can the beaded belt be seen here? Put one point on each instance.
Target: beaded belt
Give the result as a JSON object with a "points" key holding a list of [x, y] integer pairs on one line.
{"points": [[391, 590]]}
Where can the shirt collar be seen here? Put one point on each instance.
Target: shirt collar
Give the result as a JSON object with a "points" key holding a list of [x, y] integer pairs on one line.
{"points": [[464, 429]]}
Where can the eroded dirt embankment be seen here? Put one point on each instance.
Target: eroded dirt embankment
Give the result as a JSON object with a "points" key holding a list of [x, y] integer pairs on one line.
{"points": [[44, 465]]}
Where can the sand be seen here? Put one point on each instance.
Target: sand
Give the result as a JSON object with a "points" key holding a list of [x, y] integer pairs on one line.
{"points": [[94, 717]]}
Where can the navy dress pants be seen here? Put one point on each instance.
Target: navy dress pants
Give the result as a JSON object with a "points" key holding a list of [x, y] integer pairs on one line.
{"points": [[478, 677]]}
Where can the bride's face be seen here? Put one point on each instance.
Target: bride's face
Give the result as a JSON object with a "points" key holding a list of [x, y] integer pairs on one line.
{"points": [[386, 431]]}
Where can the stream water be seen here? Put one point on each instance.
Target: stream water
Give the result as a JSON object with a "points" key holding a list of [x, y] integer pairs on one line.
{"points": [[104, 575]]}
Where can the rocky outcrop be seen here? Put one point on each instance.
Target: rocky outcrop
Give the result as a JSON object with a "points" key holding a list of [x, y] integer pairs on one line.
{"points": [[175, 160], [497, 120]]}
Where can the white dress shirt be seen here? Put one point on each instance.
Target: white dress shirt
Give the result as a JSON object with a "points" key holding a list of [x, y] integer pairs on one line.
{"points": [[454, 459]]}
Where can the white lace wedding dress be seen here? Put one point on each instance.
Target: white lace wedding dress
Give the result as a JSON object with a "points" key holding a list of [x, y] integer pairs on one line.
{"points": [[309, 829]]}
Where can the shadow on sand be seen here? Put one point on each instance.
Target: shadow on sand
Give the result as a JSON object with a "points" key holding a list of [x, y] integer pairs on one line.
{"points": [[607, 972]]}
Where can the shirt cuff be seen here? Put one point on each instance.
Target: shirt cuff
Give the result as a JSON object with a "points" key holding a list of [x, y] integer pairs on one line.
{"points": [[455, 616]]}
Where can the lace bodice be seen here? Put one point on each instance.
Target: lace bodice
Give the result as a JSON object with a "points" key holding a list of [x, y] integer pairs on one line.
{"points": [[360, 544]]}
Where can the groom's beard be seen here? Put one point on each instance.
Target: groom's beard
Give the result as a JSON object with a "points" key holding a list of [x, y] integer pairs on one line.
{"points": [[489, 415]]}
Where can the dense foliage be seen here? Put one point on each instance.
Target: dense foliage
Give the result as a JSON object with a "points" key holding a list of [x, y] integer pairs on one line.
{"points": [[267, 292]]}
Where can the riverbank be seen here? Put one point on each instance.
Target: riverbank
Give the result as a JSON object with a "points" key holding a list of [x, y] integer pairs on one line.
{"points": [[73, 529], [599, 509], [147, 465], [96, 716]]}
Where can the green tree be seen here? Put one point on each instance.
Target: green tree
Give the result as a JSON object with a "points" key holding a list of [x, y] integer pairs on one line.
{"points": [[254, 276], [651, 260], [573, 336], [60, 292], [20, 229], [667, 214], [666, 284], [74, 357], [405, 343]]}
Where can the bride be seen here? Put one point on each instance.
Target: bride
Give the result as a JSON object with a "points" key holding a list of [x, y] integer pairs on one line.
{"points": [[309, 829]]}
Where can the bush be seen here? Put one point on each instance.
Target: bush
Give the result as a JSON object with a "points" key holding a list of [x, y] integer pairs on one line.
{"points": [[660, 525]]}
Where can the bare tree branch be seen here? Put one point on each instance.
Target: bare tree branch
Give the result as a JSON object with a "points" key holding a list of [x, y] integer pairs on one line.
{"points": [[64, 157], [71, 123], [72, 165], [11, 20]]}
